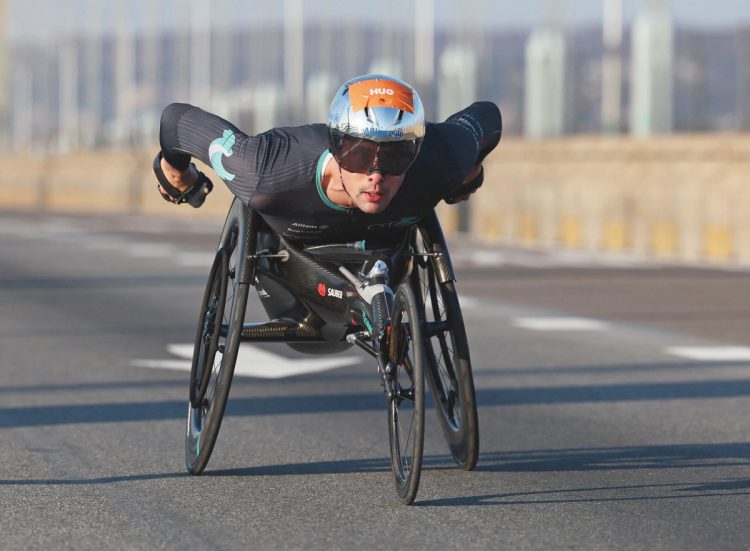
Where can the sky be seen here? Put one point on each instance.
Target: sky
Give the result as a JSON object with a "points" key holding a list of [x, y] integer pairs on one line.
{"points": [[37, 19]]}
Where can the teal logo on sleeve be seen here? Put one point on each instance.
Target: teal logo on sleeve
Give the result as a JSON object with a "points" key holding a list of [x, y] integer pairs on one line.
{"points": [[220, 148]]}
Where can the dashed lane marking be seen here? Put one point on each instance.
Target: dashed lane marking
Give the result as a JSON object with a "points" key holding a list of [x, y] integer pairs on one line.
{"points": [[711, 353], [253, 362], [560, 324], [194, 260]]}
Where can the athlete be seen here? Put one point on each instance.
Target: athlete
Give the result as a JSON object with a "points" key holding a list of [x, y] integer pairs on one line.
{"points": [[375, 168]]}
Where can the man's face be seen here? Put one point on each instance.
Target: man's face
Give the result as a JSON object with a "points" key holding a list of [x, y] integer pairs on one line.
{"points": [[371, 193]]}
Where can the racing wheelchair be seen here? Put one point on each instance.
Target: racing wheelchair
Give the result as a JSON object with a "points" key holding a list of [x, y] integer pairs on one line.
{"points": [[326, 299]]}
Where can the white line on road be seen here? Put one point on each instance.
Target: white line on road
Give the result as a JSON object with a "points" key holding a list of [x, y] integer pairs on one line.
{"points": [[179, 365], [560, 324], [254, 362], [711, 353], [487, 258], [190, 260]]}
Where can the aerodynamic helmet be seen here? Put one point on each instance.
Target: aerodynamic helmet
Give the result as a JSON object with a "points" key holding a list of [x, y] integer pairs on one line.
{"points": [[376, 123]]}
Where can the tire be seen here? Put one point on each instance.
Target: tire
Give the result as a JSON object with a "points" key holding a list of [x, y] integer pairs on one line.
{"points": [[217, 341], [406, 406], [448, 365]]}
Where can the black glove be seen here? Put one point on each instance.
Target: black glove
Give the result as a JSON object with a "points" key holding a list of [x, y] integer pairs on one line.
{"points": [[195, 196], [469, 187]]}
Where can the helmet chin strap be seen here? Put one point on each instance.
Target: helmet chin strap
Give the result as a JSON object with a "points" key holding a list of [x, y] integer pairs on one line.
{"points": [[341, 178], [374, 169]]}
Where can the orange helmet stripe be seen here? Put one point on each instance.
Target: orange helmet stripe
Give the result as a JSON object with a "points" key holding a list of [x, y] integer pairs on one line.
{"points": [[381, 93]]}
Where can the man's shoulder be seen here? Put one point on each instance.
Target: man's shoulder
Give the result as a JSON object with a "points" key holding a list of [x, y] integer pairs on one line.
{"points": [[439, 140], [312, 133]]}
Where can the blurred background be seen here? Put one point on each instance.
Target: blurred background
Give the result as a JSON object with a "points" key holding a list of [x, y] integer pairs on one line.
{"points": [[93, 74], [579, 82]]}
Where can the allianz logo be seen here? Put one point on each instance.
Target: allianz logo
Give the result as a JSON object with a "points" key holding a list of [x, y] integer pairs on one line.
{"points": [[397, 133]]}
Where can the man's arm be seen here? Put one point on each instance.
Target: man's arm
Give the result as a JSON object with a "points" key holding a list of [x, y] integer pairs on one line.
{"points": [[482, 122], [188, 132]]}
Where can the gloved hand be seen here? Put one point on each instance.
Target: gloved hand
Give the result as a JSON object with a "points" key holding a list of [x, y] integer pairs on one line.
{"points": [[466, 189], [194, 196]]}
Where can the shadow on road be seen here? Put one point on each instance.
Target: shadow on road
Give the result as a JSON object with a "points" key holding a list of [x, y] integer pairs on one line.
{"points": [[585, 459], [557, 370], [91, 481], [609, 460], [85, 387], [600, 494], [31, 416], [618, 458]]}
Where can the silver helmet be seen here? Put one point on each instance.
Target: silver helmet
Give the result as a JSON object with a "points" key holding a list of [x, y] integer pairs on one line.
{"points": [[380, 109]]}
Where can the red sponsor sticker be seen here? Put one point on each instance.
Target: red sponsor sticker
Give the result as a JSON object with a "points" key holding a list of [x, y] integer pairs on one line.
{"points": [[321, 289]]}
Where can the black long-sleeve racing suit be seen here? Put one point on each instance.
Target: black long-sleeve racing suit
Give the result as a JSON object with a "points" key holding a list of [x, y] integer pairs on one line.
{"points": [[279, 172]]}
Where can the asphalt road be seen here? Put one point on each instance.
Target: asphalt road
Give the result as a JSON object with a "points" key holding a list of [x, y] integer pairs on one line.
{"points": [[613, 402]]}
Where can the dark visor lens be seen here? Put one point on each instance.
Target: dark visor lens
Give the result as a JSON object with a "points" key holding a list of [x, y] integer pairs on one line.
{"points": [[361, 155]]}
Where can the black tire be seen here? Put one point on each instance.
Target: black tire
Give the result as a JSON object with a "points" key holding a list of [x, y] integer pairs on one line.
{"points": [[217, 341], [448, 364], [406, 406]]}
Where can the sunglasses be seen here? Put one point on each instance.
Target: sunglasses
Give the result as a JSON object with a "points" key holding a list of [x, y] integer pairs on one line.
{"points": [[363, 156]]}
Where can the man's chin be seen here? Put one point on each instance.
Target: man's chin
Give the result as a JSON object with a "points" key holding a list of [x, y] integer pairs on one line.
{"points": [[372, 208]]}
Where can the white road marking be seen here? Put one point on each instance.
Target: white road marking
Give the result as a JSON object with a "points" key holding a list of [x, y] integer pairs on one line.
{"points": [[254, 362], [711, 353], [467, 302], [190, 260], [487, 258], [180, 365], [560, 324]]}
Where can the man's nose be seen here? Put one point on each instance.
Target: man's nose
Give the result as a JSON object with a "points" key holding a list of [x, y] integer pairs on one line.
{"points": [[375, 176]]}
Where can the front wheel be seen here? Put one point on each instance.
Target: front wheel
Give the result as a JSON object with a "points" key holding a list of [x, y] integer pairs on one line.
{"points": [[406, 402], [449, 372], [217, 341]]}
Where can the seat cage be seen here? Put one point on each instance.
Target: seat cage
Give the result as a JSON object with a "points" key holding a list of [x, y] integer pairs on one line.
{"points": [[306, 297]]}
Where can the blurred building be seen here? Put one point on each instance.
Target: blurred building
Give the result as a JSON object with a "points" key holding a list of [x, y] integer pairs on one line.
{"points": [[457, 80], [743, 78], [691, 75], [545, 90], [4, 88], [91, 87], [651, 70], [611, 102]]}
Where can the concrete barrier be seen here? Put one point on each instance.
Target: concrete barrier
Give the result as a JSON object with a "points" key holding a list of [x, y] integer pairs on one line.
{"points": [[685, 198], [682, 198], [95, 182]]}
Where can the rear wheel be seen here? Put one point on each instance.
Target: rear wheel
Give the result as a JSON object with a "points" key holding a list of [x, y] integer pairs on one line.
{"points": [[217, 341], [448, 364], [406, 405]]}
